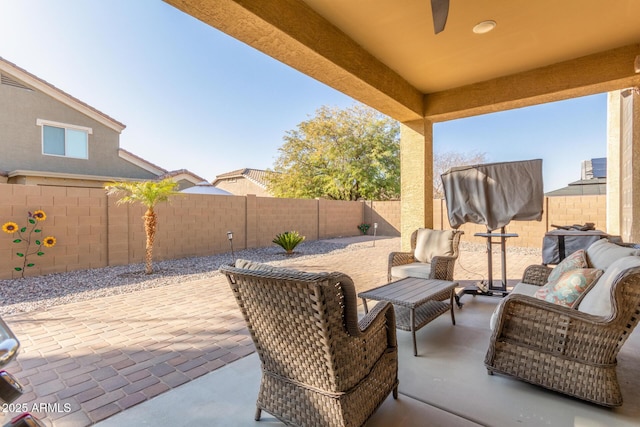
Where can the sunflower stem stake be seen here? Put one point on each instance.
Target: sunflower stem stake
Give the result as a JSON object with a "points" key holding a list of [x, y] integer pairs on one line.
{"points": [[27, 238]]}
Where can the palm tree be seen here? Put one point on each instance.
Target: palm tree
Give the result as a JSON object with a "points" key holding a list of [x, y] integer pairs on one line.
{"points": [[148, 193]]}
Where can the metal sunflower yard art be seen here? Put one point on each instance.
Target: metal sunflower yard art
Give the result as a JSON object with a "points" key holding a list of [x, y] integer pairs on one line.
{"points": [[28, 237]]}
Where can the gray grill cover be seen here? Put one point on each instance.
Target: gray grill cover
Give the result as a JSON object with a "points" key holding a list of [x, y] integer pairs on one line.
{"points": [[493, 194]]}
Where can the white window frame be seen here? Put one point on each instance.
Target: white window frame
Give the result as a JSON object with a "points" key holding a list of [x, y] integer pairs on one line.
{"points": [[42, 123]]}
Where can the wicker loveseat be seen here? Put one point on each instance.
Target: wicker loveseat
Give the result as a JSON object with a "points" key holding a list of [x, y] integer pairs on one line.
{"points": [[570, 349], [433, 255], [320, 366]]}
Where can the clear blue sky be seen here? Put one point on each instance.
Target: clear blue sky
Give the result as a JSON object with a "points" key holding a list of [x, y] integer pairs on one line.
{"points": [[195, 98]]}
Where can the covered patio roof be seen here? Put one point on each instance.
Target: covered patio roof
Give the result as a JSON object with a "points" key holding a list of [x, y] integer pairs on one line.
{"points": [[385, 53]]}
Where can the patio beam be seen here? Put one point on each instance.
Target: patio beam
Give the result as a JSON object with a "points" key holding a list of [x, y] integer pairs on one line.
{"points": [[588, 75], [293, 33]]}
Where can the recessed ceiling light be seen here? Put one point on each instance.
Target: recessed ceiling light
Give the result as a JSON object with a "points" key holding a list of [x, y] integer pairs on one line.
{"points": [[484, 27]]}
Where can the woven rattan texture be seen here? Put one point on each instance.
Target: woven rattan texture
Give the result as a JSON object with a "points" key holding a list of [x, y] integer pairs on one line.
{"points": [[536, 275], [317, 371], [563, 349], [423, 314]]}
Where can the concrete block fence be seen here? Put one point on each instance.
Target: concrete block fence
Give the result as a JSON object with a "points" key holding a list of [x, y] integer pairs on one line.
{"points": [[93, 231], [565, 210]]}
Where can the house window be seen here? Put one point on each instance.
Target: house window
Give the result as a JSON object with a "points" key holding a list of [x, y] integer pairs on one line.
{"points": [[59, 139]]}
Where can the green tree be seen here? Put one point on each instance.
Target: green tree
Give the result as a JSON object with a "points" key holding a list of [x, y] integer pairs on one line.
{"points": [[149, 194], [341, 154]]}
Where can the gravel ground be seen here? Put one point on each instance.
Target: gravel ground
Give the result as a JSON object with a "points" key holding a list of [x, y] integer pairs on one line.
{"points": [[35, 293]]}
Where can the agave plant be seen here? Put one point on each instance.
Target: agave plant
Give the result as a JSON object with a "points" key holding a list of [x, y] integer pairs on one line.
{"points": [[364, 228], [288, 240]]}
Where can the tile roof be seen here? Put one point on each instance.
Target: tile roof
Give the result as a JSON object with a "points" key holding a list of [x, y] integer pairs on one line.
{"points": [[583, 187], [163, 172], [171, 174], [258, 176]]}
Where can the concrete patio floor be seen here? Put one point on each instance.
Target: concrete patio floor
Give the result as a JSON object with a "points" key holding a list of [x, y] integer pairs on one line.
{"points": [[446, 385], [91, 360]]}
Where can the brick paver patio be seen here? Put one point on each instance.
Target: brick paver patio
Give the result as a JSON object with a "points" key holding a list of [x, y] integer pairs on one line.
{"points": [[89, 360]]}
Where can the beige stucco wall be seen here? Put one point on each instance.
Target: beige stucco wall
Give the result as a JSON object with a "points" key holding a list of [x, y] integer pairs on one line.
{"points": [[416, 161], [242, 187], [614, 162], [60, 182], [21, 138], [629, 167]]}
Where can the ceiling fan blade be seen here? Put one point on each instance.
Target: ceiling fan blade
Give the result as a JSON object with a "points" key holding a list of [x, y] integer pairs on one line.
{"points": [[440, 11]]}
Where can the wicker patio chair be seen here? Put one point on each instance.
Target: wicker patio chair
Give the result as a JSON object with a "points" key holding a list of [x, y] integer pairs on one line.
{"points": [[441, 266], [320, 366], [562, 348]]}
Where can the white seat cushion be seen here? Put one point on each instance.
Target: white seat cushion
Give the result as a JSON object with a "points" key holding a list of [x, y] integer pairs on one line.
{"points": [[416, 269], [598, 301], [430, 243], [520, 288]]}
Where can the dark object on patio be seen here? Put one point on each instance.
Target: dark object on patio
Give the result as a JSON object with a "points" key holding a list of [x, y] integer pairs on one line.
{"points": [[493, 195], [433, 256], [320, 366], [559, 244], [570, 349]]}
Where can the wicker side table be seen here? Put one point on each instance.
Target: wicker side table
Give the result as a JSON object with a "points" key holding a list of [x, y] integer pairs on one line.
{"points": [[417, 302]]}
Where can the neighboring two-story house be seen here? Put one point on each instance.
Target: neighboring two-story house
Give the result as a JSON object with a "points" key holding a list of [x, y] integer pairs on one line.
{"points": [[48, 137], [244, 181]]}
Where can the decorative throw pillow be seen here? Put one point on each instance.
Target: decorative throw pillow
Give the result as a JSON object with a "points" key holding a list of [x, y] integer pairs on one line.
{"points": [[568, 289], [578, 259]]}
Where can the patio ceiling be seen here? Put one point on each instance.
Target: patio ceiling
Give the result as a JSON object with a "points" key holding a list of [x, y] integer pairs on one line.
{"points": [[384, 53]]}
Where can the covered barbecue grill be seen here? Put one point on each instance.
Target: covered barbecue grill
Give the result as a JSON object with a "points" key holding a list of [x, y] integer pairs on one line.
{"points": [[558, 244], [493, 195]]}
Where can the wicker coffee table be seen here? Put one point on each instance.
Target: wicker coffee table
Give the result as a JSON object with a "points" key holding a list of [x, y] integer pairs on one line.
{"points": [[416, 301]]}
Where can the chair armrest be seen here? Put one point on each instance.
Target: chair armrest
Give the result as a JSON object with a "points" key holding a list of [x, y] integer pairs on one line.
{"points": [[442, 267], [382, 315], [399, 258], [536, 274], [551, 328]]}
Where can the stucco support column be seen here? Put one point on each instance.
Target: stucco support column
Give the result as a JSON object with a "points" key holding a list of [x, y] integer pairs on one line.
{"points": [[630, 166], [613, 163], [416, 162]]}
